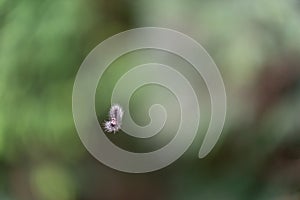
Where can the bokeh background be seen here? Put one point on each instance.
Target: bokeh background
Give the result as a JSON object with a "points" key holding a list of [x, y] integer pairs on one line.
{"points": [[256, 46]]}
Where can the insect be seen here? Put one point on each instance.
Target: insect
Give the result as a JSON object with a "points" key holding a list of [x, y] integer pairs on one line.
{"points": [[115, 119]]}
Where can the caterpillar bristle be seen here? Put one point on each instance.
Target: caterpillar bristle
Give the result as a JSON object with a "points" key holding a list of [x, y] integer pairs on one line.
{"points": [[114, 123]]}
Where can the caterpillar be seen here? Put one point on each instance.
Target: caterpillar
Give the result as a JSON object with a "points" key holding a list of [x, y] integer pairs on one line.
{"points": [[114, 123]]}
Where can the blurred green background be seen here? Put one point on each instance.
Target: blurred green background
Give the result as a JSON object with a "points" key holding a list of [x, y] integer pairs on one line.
{"points": [[256, 46]]}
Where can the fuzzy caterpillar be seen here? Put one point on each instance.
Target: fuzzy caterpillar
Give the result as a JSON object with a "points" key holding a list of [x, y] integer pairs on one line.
{"points": [[115, 119]]}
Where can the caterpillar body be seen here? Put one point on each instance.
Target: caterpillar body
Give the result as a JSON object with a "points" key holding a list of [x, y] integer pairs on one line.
{"points": [[114, 123]]}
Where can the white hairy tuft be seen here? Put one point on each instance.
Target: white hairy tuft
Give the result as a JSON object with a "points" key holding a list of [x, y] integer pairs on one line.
{"points": [[115, 119]]}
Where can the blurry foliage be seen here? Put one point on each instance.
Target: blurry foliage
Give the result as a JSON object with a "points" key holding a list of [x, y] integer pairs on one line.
{"points": [[42, 44], [52, 182], [240, 35]]}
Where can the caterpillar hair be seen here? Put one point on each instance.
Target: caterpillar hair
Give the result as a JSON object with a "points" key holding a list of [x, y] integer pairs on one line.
{"points": [[115, 119]]}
